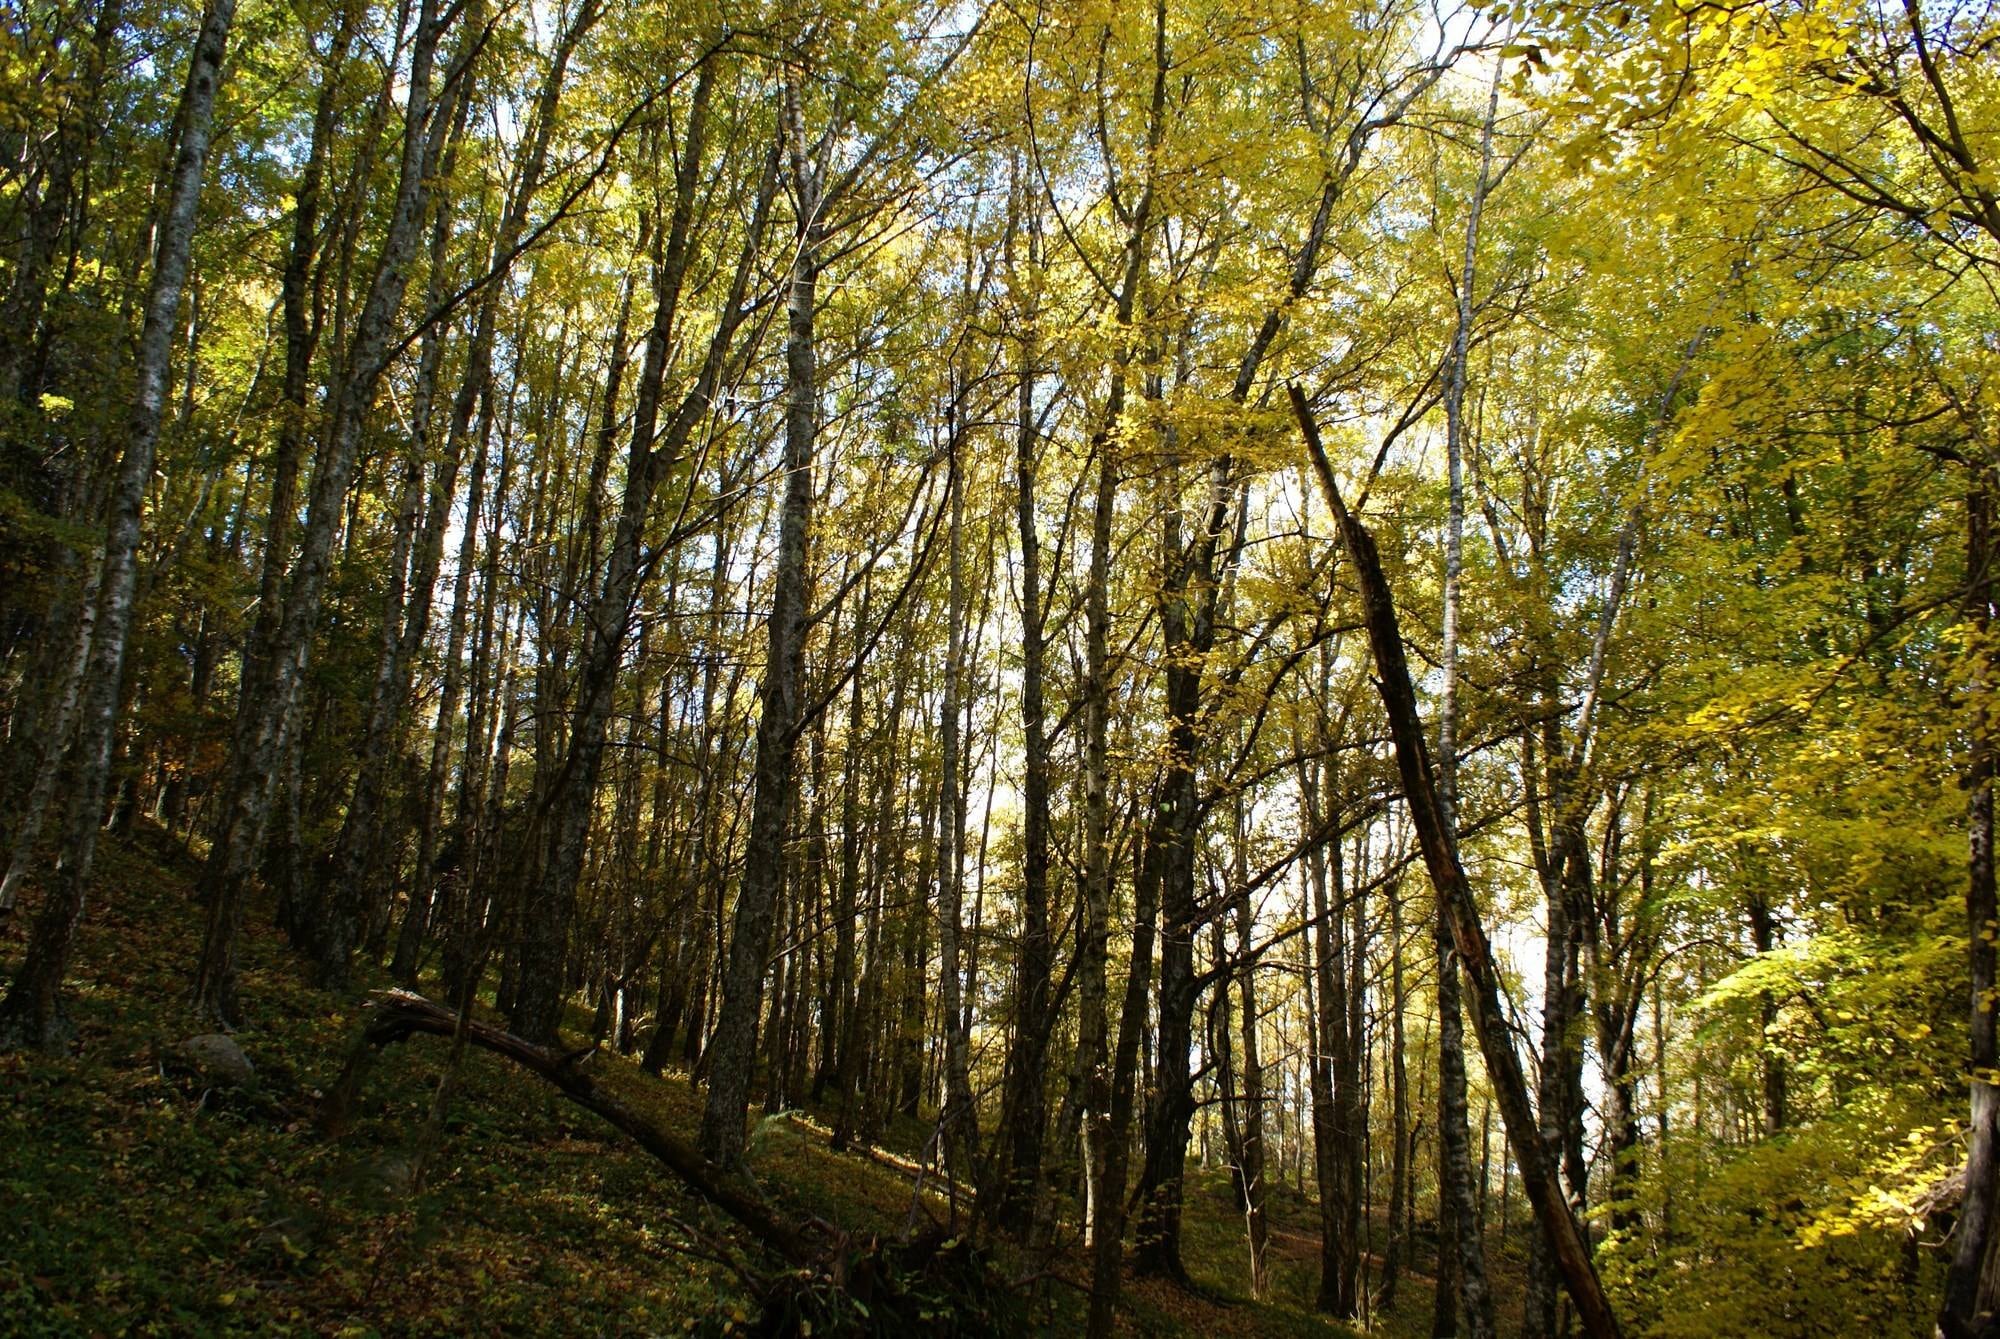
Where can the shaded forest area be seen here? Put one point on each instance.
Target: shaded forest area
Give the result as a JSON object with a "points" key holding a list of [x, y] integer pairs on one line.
{"points": [[1249, 667]]}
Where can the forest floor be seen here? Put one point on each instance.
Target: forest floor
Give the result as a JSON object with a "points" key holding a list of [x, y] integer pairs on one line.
{"points": [[140, 1199]]}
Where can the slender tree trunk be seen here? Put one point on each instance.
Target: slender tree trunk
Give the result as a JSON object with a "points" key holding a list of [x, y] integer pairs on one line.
{"points": [[1764, 938], [864, 1052], [1459, 1223], [783, 975], [1360, 1076], [1230, 1100], [1972, 1287], [734, 1042], [355, 874], [1399, 1107], [1108, 1116], [916, 959], [836, 977], [264, 705], [30, 1014], [1112, 1101], [1485, 1162], [1454, 1134], [958, 1119], [487, 695], [842, 1036], [1332, 1074], [1029, 1054], [1558, 1042], [1252, 1122], [60, 725], [1617, 963]]}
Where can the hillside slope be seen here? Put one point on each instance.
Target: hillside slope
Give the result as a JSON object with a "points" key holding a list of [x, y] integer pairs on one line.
{"points": [[147, 1197]]}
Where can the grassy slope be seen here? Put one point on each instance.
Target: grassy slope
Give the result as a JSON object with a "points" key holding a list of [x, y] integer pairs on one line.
{"points": [[134, 1199]]}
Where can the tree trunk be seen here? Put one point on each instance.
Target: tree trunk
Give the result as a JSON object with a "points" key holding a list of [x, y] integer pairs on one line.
{"points": [[1187, 618], [856, 1004], [265, 702], [1111, 1103], [1029, 1054], [909, 1040], [957, 1119], [1561, 1051], [30, 1014], [1438, 842], [1459, 1217], [734, 1042], [1764, 938], [1458, 1222], [1333, 1076], [57, 729], [1972, 1287], [397, 1015], [1252, 1121], [1399, 1107], [1108, 1118]]}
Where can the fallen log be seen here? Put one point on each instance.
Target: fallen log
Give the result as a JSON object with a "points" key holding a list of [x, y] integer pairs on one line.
{"points": [[397, 1015]]}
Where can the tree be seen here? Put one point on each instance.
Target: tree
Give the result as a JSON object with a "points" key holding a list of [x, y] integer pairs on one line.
{"points": [[266, 702], [30, 1013]]}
